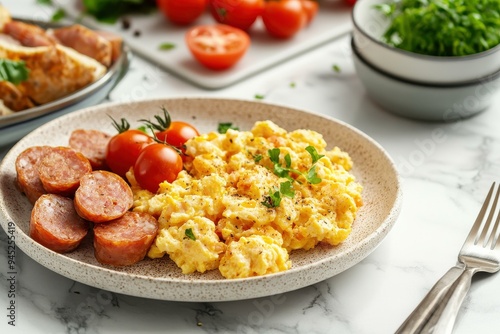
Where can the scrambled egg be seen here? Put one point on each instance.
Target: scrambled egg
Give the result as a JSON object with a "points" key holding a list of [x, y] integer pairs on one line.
{"points": [[219, 212]]}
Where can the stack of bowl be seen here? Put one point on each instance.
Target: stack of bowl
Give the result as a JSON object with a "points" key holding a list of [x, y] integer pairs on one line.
{"points": [[431, 88]]}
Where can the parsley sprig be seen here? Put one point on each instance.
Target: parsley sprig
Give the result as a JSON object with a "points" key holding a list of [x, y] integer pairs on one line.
{"points": [[284, 170]]}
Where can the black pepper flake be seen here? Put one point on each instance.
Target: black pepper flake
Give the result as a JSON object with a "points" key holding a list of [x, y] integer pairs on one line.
{"points": [[137, 33], [126, 23]]}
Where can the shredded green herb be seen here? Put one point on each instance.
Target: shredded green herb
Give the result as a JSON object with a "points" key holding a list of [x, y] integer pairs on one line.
{"points": [[13, 71], [223, 127], [442, 27], [189, 233], [166, 46], [284, 171], [109, 11], [58, 15]]}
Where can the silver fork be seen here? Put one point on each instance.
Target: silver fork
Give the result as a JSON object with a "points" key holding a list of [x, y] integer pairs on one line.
{"points": [[480, 252]]}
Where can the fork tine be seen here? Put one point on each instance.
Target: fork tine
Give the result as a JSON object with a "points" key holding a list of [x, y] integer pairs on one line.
{"points": [[472, 237], [483, 237]]}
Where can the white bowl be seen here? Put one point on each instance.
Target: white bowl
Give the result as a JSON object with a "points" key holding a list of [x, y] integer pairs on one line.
{"points": [[369, 25], [429, 102]]}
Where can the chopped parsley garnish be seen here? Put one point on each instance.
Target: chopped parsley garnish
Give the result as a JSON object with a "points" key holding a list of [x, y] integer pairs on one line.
{"points": [[336, 68], [275, 195], [166, 46], [189, 233], [13, 71], [259, 96], [223, 127], [58, 15], [285, 171]]}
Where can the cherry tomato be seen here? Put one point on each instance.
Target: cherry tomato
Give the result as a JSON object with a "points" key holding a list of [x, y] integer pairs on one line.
{"points": [[178, 133], [311, 7], [124, 148], [350, 2], [218, 46], [284, 18], [240, 13], [157, 163], [182, 12]]}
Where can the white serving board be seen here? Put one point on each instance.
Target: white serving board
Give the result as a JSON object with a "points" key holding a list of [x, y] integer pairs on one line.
{"points": [[332, 21]]}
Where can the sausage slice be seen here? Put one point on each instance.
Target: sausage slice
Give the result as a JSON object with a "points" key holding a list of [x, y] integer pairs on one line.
{"points": [[126, 240], [28, 179], [92, 144], [102, 196], [55, 224], [61, 169]]}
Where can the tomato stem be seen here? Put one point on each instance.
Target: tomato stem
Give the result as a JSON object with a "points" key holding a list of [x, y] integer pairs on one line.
{"points": [[120, 127], [163, 122]]}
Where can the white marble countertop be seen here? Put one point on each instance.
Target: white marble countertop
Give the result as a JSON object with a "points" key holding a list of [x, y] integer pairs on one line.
{"points": [[444, 183]]}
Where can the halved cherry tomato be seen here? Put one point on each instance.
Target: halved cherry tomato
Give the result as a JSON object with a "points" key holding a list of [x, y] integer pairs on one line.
{"points": [[240, 14], [284, 18], [157, 163], [217, 46], [124, 148], [182, 12]]}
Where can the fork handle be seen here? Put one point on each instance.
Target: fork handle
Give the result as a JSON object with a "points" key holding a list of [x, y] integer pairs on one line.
{"points": [[443, 320], [423, 312]]}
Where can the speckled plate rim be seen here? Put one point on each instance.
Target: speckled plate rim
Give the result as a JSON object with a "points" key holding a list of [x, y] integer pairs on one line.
{"points": [[378, 215]]}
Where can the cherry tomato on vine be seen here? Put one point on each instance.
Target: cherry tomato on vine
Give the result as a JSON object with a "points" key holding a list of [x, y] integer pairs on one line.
{"points": [[284, 18], [124, 148], [240, 14], [177, 134], [157, 163], [218, 46], [182, 12]]}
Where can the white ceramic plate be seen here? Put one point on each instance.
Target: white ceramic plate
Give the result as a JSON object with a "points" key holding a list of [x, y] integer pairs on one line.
{"points": [[160, 278]]}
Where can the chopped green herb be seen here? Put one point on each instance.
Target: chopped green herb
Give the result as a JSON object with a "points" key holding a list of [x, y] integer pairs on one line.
{"points": [[189, 233], [442, 27], [223, 127], [58, 15], [259, 97], [13, 71], [44, 2], [166, 46], [292, 84], [257, 157], [109, 11], [312, 177], [314, 154], [286, 189], [274, 198], [336, 68], [275, 195]]}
